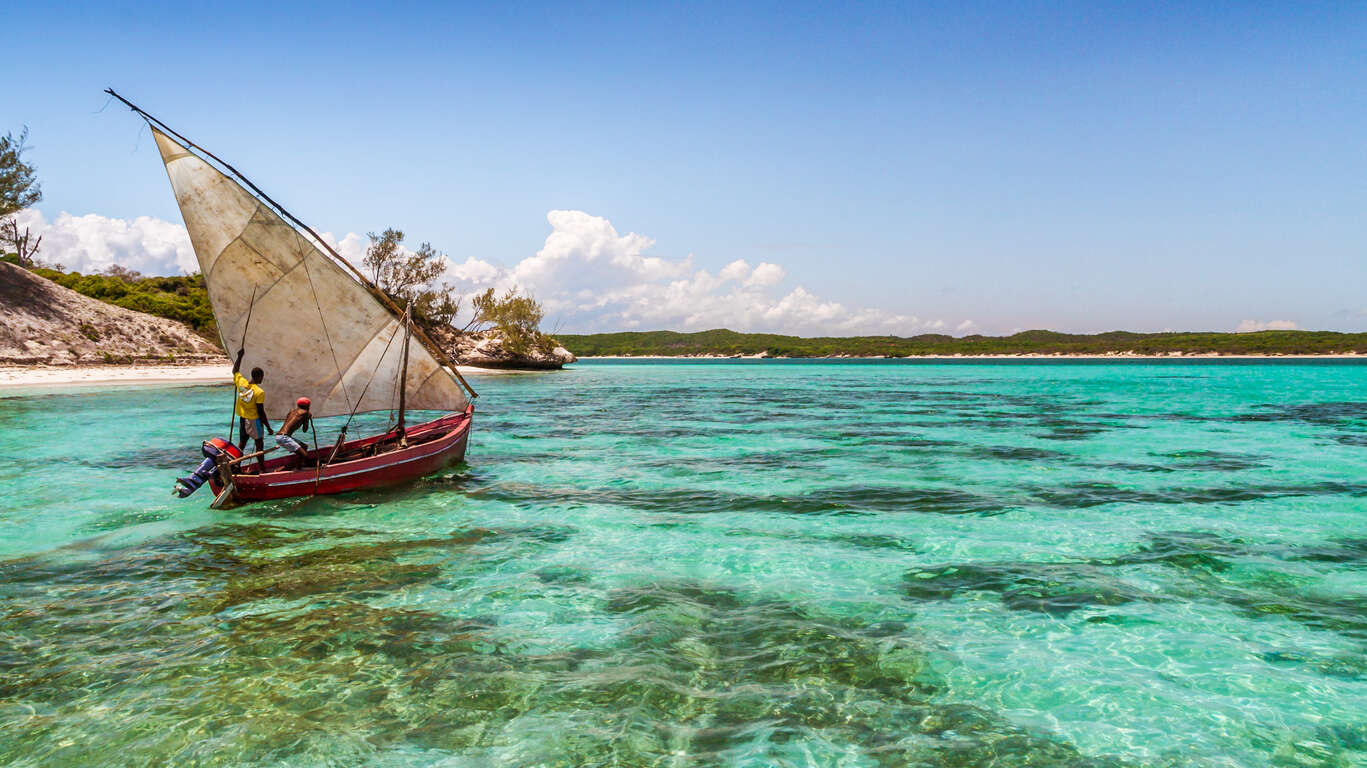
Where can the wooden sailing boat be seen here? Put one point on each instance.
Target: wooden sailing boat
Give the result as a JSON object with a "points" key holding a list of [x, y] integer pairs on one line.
{"points": [[320, 330]]}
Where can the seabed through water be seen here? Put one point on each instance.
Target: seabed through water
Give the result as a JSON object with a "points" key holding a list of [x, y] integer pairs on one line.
{"points": [[710, 563]]}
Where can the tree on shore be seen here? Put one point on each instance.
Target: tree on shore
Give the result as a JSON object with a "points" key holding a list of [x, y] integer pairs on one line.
{"points": [[517, 316], [19, 243], [411, 276], [414, 276], [19, 189], [123, 273]]}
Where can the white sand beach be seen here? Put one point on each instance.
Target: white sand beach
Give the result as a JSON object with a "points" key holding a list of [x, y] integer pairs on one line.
{"points": [[40, 376]]}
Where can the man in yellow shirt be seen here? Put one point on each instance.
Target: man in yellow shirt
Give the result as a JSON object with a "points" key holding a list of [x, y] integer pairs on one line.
{"points": [[250, 407]]}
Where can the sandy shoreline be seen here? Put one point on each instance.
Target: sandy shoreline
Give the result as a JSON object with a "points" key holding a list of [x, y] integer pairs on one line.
{"points": [[40, 376]]}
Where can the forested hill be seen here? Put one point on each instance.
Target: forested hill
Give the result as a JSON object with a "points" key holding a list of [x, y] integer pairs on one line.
{"points": [[722, 342]]}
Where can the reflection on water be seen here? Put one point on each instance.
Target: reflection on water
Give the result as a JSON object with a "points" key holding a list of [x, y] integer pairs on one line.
{"points": [[716, 565]]}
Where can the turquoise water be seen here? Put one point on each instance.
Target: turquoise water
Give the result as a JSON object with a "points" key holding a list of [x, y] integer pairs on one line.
{"points": [[801, 563]]}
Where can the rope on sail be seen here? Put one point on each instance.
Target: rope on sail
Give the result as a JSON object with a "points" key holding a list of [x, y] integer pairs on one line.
{"points": [[243, 345], [359, 399], [332, 351], [322, 318]]}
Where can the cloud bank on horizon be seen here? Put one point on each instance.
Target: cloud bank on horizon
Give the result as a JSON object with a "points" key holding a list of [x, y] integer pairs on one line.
{"points": [[93, 243], [1252, 326], [588, 277]]}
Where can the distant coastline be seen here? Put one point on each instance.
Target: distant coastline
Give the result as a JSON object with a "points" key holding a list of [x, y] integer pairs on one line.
{"points": [[1059, 356], [723, 343]]}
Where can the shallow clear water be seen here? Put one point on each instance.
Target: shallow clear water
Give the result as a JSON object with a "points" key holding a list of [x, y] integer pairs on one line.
{"points": [[802, 563]]}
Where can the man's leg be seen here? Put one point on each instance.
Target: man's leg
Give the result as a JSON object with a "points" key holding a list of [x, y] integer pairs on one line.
{"points": [[260, 446], [242, 433], [298, 454]]}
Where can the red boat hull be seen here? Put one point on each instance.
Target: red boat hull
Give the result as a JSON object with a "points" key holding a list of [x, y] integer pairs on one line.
{"points": [[431, 446]]}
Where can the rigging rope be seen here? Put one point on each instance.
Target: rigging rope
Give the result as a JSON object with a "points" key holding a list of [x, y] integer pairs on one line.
{"points": [[393, 401], [242, 345], [317, 457], [361, 398], [322, 318]]}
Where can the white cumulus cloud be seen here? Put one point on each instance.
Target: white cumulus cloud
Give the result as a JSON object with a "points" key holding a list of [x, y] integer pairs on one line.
{"points": [[476, 272], [1249, 326], [753, 277], [588, 276], [736, 270], [352, 247], [92, 243], [591, 277], [766, 274]]}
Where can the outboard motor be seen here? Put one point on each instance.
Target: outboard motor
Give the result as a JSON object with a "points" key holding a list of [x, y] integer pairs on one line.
{"points": [[213, 449]]}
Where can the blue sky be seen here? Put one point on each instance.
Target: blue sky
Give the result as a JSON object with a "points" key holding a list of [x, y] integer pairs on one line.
{"points": [[988, 166]]}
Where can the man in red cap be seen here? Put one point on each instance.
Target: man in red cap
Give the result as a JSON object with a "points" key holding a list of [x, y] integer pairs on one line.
{"points": [[299, 418]]}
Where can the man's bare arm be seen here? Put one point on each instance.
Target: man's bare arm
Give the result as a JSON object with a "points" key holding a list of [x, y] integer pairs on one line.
{"points": [[294, 421], [265, 422], [237, 364]]}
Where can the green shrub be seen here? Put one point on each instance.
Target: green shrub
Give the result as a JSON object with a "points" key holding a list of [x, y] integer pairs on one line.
{"points": [[181, 298], [517, 316]]}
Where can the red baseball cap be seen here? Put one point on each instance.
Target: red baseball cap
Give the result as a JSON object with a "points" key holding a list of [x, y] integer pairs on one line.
{"points": [[302, 402]]}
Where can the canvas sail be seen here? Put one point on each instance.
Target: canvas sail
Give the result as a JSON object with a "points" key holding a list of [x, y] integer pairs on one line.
{"points": [[315, 330]]}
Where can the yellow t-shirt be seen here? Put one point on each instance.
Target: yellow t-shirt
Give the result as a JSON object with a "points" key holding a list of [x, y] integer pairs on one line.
{"points": [[249, 396]]}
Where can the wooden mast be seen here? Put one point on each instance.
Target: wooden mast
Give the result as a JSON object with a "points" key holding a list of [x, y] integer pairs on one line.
{"points": [[403, 371]]}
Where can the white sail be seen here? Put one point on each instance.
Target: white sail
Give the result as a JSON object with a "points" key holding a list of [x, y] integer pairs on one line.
{"points": [[315, 330]]}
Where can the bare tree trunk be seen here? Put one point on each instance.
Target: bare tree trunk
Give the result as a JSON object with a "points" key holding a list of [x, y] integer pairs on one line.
{"points": [[11, 238]]}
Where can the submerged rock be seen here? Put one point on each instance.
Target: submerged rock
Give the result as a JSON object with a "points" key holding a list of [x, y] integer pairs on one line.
{"points": [[306, 642], [1057, 589]]}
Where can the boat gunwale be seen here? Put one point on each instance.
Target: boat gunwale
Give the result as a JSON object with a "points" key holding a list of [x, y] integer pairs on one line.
{"points": [[458, 430]]}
